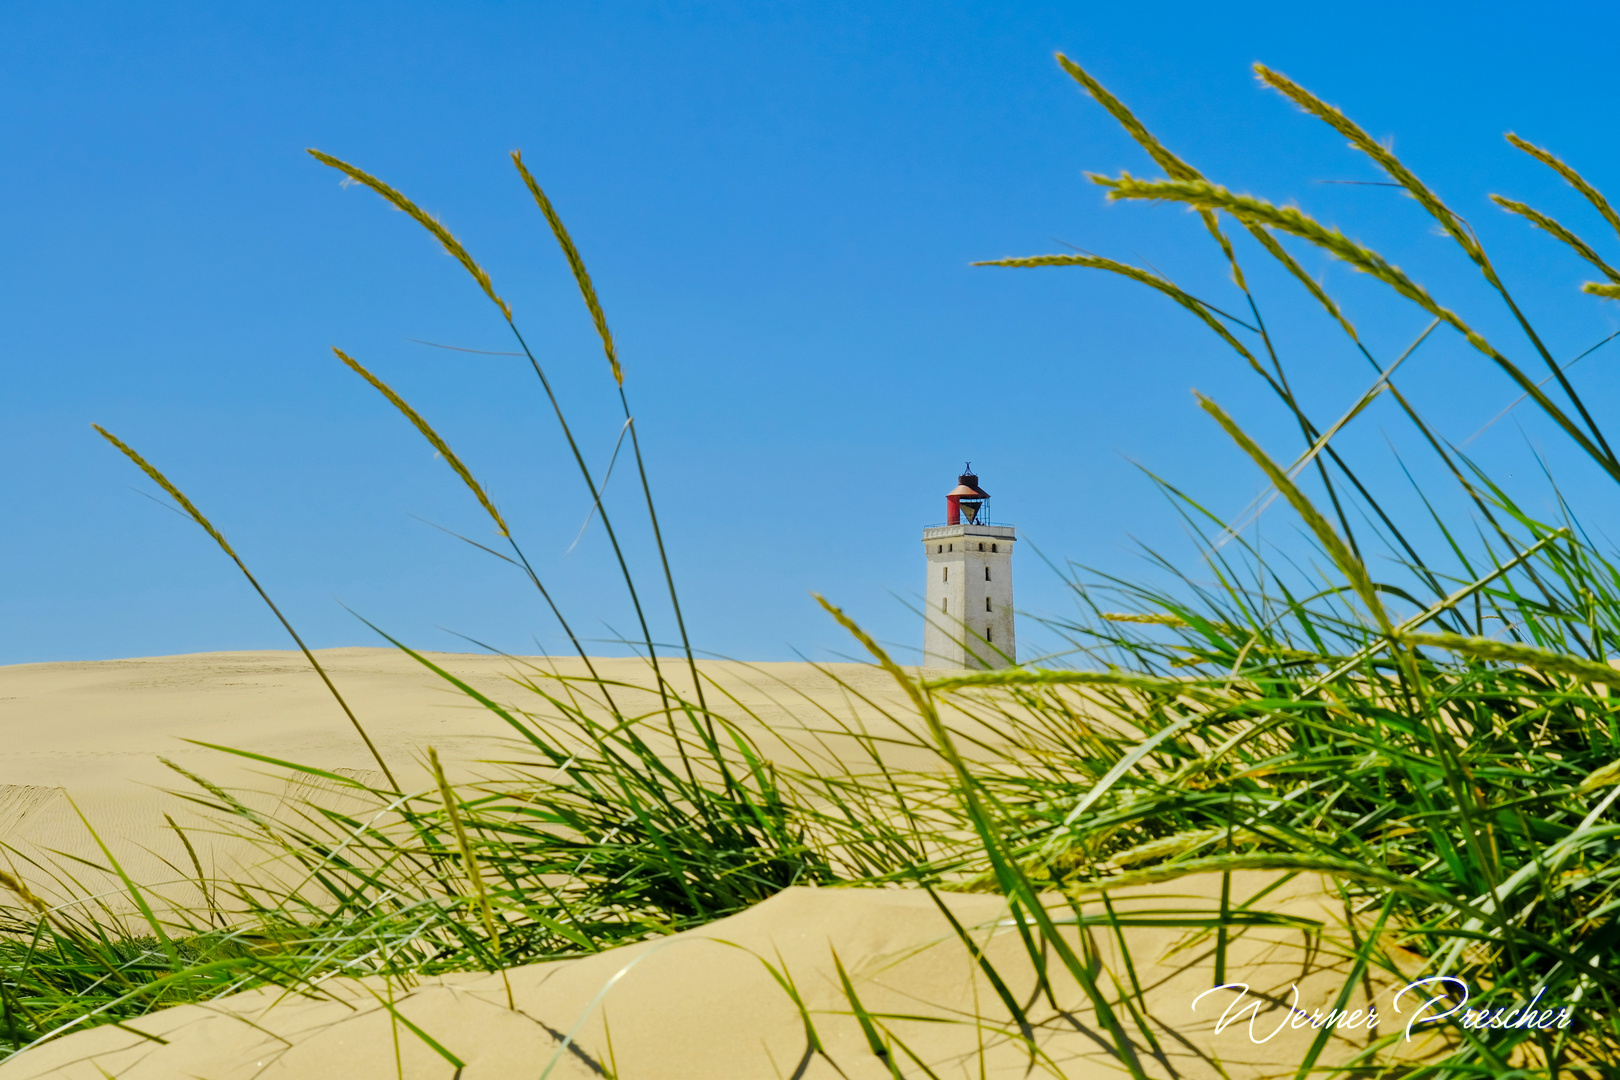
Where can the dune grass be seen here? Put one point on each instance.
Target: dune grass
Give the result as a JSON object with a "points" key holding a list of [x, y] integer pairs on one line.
{"points": [[1434, 731]]}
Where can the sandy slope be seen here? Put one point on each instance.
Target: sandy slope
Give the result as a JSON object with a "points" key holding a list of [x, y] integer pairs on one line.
{"points": [[93, 732]]}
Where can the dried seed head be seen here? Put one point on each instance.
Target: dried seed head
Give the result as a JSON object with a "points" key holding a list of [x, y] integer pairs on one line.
{"points": [[26, 895]]}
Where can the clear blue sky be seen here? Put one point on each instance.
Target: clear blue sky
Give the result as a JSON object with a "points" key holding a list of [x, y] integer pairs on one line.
{"points": [[779, 203]]}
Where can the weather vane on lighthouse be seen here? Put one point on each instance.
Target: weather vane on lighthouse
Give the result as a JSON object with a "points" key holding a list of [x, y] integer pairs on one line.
{"points": [[969, 614]]}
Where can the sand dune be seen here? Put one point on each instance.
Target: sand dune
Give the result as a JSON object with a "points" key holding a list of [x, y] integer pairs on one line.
{"points": [[99, 724], [705, 1005], [700, 1004], [87, 736]]}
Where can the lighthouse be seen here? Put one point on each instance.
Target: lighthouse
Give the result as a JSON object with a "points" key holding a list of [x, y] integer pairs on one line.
{"points": [[969, 616]]}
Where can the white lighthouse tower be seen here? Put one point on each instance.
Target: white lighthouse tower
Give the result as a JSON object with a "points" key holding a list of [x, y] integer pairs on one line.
{"points": [[969, 616]]}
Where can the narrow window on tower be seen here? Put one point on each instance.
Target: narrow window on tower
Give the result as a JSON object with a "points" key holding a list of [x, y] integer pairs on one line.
{"points": [[944, 605], [939, 549], [987, 633], [987, 573], [992, 549], [946, 576], [981, 547], [987, 603]]}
